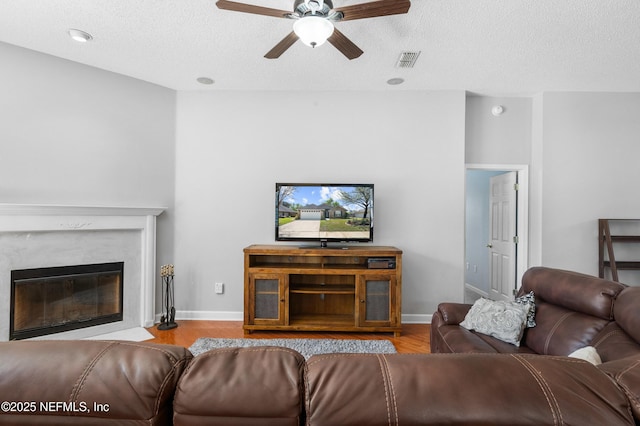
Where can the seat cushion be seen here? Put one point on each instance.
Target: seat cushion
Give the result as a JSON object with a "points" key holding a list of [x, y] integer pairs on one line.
{"points": [[560, 331]]}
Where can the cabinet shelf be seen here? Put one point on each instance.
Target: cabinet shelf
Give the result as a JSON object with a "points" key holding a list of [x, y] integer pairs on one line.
{"points": [[624, 265], [322, 289], [322, 320], [606, 242], [312, 289], [625, 238]]}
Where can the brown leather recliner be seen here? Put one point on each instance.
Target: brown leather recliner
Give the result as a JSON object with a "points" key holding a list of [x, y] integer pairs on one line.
{"points": [[571, 310]]}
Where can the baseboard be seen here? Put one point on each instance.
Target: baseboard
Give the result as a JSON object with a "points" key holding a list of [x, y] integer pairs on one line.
{"points": [[416, 319], [239, 316], [210, 315], [472, 293]]}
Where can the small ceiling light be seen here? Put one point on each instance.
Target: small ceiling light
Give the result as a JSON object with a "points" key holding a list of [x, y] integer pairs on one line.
{"points": [[80, 36], [497, 110], [395, 81], [313, 30], [204, 80]]}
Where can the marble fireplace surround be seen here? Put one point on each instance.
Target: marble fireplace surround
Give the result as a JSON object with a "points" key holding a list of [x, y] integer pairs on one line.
{"points": [[34, 236]]}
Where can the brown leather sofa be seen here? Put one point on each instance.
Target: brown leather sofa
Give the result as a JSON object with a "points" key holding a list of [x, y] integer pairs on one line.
{"points": [[99, 383], [95, 383], [573, 310]]}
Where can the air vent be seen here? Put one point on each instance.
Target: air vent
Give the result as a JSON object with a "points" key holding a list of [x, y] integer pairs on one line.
{"points": [[407, 59]]}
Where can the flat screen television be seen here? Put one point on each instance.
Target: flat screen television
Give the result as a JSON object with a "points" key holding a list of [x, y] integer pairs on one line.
{"points": [[318, 212]]}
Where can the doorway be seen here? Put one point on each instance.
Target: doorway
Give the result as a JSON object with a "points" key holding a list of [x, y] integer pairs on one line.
{"points": [[494, 269]]}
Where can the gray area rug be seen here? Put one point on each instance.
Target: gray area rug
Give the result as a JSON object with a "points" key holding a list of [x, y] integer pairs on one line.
{"points": [[306, 347]]}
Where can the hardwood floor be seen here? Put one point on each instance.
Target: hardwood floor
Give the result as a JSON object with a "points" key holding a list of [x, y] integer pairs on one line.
{"points": [[414, 338]]}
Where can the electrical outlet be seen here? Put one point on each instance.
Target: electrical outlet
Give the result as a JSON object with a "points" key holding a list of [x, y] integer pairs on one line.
{"points": [[219, 288]]}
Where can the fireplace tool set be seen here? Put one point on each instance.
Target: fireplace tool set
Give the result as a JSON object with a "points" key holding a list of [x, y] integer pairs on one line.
{"points": [[167, 320]]}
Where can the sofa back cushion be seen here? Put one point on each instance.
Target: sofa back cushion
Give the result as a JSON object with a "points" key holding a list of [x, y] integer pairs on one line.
{"points": [[460, 389], [614, 343], [87, 382], [242, 386], [626, 311], [560, 331]]}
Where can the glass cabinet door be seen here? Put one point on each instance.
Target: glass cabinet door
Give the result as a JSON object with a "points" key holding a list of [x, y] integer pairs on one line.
{"points": [[377, 300], [267, 296]]}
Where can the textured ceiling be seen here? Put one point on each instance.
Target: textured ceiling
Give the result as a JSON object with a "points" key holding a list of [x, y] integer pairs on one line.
{"points": [[493, 47]]}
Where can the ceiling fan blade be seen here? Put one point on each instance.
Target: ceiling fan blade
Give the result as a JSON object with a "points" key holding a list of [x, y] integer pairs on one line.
{"points": [[373, 9], [249, 8], [282, 47], [344, 45]]}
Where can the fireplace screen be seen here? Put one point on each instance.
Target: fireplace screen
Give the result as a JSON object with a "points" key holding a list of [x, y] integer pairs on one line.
{"points": [[51, 300]]}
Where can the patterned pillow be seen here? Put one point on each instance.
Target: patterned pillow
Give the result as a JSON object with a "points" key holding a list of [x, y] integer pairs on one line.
{"points": [[497, 318], [530, 301]]}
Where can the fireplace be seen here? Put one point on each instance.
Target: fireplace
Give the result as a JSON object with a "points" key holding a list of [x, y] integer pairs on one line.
{"points": [[33, 236], [51, 300]]}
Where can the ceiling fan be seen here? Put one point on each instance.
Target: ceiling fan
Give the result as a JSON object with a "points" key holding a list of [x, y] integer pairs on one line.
{"points": [[314, 21]]}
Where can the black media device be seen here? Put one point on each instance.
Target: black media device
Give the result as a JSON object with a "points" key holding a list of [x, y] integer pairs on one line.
{"points": [[381, 263]]}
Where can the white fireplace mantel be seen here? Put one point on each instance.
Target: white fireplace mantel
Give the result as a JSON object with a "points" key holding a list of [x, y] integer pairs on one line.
{"points": [[26, 219]]}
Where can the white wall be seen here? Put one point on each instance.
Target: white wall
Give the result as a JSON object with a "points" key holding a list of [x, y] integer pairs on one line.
{"points": [[503, 139], [72, 134], [233, 147], [590, 170]]}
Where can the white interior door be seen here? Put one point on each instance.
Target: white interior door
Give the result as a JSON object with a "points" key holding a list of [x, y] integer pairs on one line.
{"points": [[502, 236]]}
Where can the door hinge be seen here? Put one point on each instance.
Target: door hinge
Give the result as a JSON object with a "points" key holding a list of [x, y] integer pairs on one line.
{"points": [[514, 291], [516, 239], [516, 187]]}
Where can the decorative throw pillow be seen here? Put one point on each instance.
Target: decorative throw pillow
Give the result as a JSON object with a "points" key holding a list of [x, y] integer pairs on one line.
{"points": [[497, 318], [530, 301], [588, 353]]}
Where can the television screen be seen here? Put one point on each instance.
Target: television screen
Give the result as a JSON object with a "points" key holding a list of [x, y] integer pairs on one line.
{"points": [[324, 212]]}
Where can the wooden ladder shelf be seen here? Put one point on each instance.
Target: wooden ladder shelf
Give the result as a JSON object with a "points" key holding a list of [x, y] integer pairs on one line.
{"points": [[606, 240]]}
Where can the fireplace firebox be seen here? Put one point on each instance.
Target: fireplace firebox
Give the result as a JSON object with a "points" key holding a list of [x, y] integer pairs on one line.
{"points": [[56, 299]]}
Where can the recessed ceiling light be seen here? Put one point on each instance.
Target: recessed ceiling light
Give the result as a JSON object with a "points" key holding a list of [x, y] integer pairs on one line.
{"points": [[395, 81], [204, 80], [80, 36], [497, 110]]}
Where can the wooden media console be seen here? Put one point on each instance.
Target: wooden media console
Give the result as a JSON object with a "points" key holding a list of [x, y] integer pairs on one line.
{"points": [[323, 289]]}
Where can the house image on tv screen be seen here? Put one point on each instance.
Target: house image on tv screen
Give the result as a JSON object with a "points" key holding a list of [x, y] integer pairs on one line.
{"points": [[324, 212]]}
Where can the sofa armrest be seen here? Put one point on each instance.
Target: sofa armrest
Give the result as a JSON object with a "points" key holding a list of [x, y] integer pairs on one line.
{"points": [[453, 313], [626, 373], [89, 382]]}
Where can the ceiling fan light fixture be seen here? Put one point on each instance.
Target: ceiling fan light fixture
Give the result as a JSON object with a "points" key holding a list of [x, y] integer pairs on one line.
{"points": [[313, 30]]}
